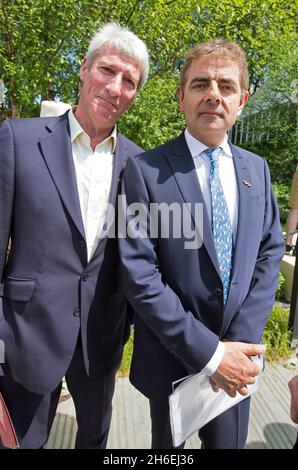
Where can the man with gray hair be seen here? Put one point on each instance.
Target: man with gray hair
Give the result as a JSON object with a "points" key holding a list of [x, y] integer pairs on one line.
{"points": [[62, 307]]}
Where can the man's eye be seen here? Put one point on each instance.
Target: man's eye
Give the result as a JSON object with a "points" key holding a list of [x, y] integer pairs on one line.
{"points": [[227, 87], [106, 70], [130, 82], [198, 85]]}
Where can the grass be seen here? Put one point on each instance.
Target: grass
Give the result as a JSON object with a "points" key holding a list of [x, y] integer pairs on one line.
{"points": [[126, 359], [276, 337]]}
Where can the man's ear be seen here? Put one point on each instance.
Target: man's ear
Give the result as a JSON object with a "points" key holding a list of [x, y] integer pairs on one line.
{"points": [[243, 100], [181, 98], [83, 69]]}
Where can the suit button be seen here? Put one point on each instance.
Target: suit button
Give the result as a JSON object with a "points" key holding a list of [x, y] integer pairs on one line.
{"points": [[82, 244], [76, 312], [217, 291], [85, 276]]}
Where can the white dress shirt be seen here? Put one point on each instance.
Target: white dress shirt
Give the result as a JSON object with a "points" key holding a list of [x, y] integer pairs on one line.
{"points": [[94, 179], [226, 172], [228, 180]]}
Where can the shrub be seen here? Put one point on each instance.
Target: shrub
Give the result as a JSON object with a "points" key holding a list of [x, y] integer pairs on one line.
{"points": [[276, 335], [126, 359], [280, 294], [282, 193]]}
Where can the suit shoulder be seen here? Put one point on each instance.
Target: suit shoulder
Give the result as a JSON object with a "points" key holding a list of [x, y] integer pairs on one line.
{"points": [[248, 153], [32, 126], [156, 152], [33, 121], [131, 146]]}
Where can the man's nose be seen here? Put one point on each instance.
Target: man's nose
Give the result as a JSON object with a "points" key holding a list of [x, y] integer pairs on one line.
{"points": [[114, 86], [213, 93]]}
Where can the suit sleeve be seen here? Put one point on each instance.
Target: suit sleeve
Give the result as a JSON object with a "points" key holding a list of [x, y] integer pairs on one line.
{"points": [[184, 336], [249, 322], [7, 182]]}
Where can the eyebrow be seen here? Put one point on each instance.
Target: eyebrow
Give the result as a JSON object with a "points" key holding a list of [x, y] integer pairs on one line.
{"points": [[111, 64], [207, 80], [105, 62]]}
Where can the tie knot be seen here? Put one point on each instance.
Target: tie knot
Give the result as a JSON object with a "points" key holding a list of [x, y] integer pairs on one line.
{"points": [[214, 154]]}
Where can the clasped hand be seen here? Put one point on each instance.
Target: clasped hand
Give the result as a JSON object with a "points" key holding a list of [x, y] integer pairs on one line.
{"points": [[236, 370]]}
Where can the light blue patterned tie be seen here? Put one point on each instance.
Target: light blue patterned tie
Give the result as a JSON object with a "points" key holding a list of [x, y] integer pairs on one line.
{"points": [[221, 224]]}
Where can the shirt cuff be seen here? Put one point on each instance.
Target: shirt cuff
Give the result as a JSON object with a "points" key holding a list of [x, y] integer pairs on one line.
{"points": [[215, 360]]}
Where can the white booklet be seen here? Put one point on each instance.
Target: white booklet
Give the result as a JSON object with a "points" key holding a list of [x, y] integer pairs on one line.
{"points": [[193, 403]]}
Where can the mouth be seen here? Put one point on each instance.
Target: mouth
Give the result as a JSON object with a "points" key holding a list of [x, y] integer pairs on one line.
{"points": [[210, 113], [107, 104]]}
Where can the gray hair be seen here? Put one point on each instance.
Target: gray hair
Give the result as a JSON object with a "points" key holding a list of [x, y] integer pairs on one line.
{"points": [[125, 42]]}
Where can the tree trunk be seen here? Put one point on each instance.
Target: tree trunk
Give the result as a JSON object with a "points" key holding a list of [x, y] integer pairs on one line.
{"points": [[14, 109]]}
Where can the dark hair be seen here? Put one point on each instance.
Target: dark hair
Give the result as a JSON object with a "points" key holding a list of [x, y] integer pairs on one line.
{"points": [[217, 48]]}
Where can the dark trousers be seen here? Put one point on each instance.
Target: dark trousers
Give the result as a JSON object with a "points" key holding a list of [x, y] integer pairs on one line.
{"points": [[227, 431], [33, 414]]}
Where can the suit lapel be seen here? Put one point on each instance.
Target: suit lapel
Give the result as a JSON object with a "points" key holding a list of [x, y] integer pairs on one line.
{"points": [[243, 175], [184, 171], [120, 158], [57, 153]]}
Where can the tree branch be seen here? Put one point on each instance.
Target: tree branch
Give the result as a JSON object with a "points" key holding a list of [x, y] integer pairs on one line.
{"points": [[6, 32], [131, 13], [170, 3]]}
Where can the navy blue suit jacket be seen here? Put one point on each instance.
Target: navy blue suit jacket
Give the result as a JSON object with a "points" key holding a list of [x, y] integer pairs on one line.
{"points": [[177, 292], [48, 289]]}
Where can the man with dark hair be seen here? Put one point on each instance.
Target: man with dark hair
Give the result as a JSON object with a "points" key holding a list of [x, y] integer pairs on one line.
{"points": [[202, 307]]}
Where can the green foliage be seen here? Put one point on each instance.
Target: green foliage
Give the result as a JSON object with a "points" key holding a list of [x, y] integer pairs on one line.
{"points": [[281, 153], [166, 26], [42, 43], [276, 335], [282, 193], [273, 114], [126, 359], [155, 116], [264, 29], [41, 46], [280, 294]]}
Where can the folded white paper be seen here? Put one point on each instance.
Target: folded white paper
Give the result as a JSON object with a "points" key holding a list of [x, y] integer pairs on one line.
{"points": [[194, 403]]}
